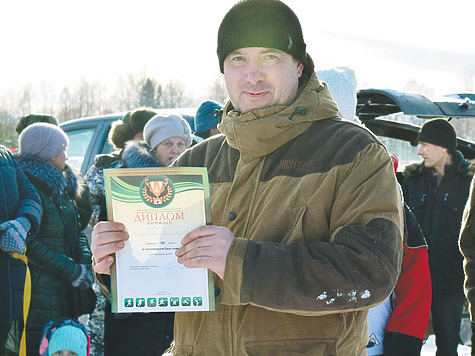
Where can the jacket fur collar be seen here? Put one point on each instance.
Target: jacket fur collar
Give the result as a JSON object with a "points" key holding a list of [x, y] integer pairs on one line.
{"points": [[49, 177], [138, 154], [461, 165]]}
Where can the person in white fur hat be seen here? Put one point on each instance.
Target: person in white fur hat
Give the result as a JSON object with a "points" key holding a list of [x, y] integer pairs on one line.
{"points": [[168, 135]]}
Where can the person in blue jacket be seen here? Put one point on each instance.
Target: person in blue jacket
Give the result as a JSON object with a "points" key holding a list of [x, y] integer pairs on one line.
{"points": [[20, 212]]}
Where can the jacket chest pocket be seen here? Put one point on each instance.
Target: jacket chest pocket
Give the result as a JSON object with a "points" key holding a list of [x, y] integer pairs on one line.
{"points": [[417, 201], [450, 202], [291, 347]]}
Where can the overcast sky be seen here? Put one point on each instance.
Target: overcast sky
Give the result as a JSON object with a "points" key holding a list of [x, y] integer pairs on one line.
{"points": [[386, 43]]}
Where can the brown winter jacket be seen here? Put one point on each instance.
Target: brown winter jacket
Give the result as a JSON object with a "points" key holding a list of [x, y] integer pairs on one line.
{"points": [[314, 205], [467, 247]]}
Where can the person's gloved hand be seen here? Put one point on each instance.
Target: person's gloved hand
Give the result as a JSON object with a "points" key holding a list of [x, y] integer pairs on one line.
{"points": [[13, 234], [82, 277]]}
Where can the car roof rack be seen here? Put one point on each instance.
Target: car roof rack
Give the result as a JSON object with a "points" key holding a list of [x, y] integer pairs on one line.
{"points": [[373, 103]]}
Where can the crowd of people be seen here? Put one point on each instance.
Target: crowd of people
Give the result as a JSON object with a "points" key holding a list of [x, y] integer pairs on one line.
{"points": [[318, 245]]}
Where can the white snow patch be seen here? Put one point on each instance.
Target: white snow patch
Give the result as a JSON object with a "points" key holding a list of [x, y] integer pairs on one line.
{"points": [[352, 296], [322, 296], [428, 349], [365, 294]]}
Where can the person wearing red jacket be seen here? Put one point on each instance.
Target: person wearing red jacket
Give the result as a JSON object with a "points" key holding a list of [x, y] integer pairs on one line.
{"points": [[398, 326]]}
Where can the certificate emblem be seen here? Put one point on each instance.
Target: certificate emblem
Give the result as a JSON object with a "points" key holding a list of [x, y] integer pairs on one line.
{"points": [[157, 191]]}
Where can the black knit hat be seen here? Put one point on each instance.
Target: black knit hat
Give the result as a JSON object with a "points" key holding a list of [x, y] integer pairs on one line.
{"points": [[262, 23], [439, 132], [132, 123], [27, 120]]}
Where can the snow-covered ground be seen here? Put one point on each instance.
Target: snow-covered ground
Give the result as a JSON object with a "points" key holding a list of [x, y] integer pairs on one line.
{"points": [[429, 348]]}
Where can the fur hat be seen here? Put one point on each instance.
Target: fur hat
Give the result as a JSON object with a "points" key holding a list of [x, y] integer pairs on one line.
{"points": [[342, 84], [262, 23], [439, 132], [42, 140], [204, 117], [163, 126], [132, 123], [27, 120]]}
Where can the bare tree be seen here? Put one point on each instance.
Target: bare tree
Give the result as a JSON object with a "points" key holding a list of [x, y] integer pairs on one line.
{"points": [[468, 78], [89, 98], [414, 86], [24, 103], [46, 98], [217, 91], [126, 94], [65, 104], [8, 136], [174, 95]]}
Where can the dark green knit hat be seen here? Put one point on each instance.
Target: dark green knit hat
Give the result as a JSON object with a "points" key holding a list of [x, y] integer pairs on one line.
{"points": [[262, 23], [439, 132], [27, 120], [132, 123]]}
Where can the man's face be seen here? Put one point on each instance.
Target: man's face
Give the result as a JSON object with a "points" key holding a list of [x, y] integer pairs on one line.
{"points": [[434, 156], [258, 77]]}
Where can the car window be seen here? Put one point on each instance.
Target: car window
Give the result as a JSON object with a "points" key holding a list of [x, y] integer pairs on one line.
{"points": [[107, 147], [78, 143], [405, 152]]}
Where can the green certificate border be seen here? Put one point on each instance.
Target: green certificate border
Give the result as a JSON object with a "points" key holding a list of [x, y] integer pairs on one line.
{"points": [[187, 178]]}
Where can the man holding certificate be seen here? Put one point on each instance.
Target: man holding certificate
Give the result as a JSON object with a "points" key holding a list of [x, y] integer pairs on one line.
{"points": [[306, 213]]}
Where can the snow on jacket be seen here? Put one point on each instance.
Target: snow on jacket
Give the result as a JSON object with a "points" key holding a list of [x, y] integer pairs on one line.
{"points": [[400, 323], [314, 205], [18, 198], [439, 213], [58, 246]]}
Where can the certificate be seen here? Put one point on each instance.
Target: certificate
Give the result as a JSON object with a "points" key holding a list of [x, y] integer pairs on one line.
{"points": [[158, 207]]}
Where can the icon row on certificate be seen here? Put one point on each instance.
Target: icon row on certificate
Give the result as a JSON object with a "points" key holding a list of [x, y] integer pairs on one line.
{"points": [[154, 302]]}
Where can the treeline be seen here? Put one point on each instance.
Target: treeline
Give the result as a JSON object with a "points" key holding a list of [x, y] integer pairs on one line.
{"points": [[89, 98]]}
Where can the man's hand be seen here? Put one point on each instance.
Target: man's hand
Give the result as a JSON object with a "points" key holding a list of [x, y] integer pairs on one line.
{"points": [[108, 237], [206, 247]]}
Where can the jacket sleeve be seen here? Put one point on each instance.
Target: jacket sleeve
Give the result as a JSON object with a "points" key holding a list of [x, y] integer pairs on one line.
{"points": [[412, 301], [30, 203], [83, 204], [85, 255], [467, 247], [55, 263], [95, 181], [354, 268]]}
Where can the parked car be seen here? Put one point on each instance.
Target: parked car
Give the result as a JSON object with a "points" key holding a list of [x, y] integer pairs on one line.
{"points": [[88, 136]]}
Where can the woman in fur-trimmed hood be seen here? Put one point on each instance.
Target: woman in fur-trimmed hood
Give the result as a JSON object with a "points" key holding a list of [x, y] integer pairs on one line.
{"points": [[59, 255]]}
